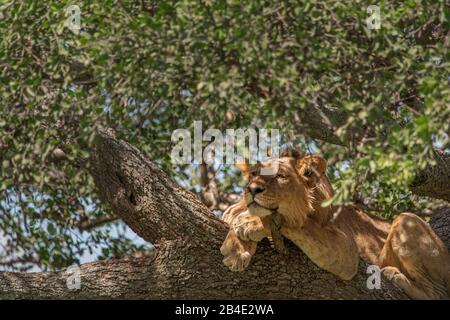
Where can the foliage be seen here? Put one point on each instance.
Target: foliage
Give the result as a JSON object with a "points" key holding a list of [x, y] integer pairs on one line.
{"points": [[147, 68]]}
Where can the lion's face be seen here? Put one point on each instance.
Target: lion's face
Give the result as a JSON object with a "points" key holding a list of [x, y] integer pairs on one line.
{"points": [[294, 186]]}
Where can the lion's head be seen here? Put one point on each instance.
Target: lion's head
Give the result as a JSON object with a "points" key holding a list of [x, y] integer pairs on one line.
{"points": [[292, 184]]}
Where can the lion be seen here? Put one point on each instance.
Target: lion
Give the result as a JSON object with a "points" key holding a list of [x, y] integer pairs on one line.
{"points": [[334, 237]]}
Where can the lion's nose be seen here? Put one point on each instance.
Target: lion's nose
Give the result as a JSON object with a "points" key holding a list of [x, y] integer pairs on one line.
{"points": [[254, 190]]}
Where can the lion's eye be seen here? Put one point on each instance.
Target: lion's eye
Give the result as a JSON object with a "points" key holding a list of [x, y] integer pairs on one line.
{"points": [[281, 176], [307, 173]]}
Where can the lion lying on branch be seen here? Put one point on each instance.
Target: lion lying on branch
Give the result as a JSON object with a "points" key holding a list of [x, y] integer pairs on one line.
{"points": [[407, 249]]}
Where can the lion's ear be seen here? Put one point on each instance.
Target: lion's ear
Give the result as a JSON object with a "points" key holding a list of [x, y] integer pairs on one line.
{"points": [[243, 166], [312, 165]]}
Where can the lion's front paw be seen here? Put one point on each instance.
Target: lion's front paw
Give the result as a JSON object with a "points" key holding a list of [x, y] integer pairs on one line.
{"points": [[405, 284], [249, 228], [390, 272], [237, 253], [238, 261]]}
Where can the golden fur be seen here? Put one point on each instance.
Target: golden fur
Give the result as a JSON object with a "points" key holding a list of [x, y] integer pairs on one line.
{"points": [[333, 237]]}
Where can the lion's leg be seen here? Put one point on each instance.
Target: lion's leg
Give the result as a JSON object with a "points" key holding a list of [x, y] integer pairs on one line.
{"points": [[233, 211], [250, 228], [327, 246], [410, 288], [416, 259], [241, 242], [237, 252]]}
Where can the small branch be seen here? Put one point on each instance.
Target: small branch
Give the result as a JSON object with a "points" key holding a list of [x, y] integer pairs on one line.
{"points": [[209, 194], [82, 224], [187, 264], [13, 262], [89, 224]]}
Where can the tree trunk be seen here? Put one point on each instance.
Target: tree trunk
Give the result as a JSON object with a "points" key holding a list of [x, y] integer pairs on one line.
{"points": [[186, 262]]}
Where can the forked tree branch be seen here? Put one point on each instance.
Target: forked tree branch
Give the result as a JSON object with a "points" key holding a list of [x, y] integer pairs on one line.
{"points": [[187, 262]]}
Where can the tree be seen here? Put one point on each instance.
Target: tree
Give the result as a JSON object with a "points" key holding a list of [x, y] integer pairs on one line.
{"points": [[374, 102], [187, 261]]}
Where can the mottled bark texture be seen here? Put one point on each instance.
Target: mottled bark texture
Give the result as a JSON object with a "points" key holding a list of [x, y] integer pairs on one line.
{"points": [[434, 181], [186, 262], [440, 221]]}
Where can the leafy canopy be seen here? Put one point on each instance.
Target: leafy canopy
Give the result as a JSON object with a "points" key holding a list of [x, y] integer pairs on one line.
{"points": [[146, 68]]}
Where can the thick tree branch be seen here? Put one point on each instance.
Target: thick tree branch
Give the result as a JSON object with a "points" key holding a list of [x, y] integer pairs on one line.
{"points": [[153, 205], [187, 262], [434, 181], [321, 123], [440, 221], [182, 270]]}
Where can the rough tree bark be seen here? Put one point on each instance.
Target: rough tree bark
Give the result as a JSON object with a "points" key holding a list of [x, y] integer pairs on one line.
{"points": [[434, 180], [186, 262]]}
